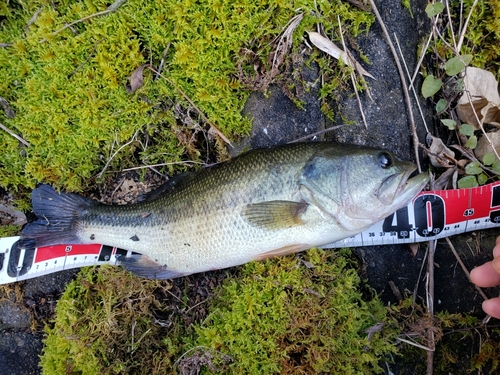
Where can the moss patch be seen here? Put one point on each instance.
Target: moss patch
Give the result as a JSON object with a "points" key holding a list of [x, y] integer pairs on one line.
{"points": [[105, 325], [295, 314], [482, 39], [67, 89]]}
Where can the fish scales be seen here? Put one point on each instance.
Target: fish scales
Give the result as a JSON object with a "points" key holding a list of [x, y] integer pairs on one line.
{"points": [[260, 204], [204, 217]]}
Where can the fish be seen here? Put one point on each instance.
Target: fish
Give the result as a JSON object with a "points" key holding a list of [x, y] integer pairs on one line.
{"points": [[260, 204]]}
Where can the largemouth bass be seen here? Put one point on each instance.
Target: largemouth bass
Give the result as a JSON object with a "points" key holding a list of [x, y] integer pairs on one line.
{"points": [[261, 204]]}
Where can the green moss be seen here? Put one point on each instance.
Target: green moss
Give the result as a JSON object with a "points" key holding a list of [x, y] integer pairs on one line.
{"points": [[9, 230], [482, 39], [407, 5], [105, 324], [291, 315], [284, 317], [68, 89]]}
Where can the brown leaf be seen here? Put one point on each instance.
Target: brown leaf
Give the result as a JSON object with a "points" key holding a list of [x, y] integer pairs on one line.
{"points": [[310, 291], [414, 249], [327, 46], [447, 179], [136, 79], [439, 155], [9, 113], [10, 216], [483, 145], [482, 88]]}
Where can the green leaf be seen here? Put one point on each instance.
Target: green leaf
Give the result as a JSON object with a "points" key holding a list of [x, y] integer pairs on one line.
{"points": [[489, 158], [467, 59], [456, 64], [471, 142], [467, 182], [473, 168], [434, 9], [450, 124], [466, 129], [431, 86], [441, 106], [496, 166], [482, 179]]}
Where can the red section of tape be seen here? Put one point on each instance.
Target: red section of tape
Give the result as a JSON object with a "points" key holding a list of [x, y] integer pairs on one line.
{"points": [[51, 252]]}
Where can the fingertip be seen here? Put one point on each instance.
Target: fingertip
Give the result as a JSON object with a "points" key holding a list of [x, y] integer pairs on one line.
{"points": [[485, 276], [496, 250], [473, 275], [496, 264], [492, 307]]}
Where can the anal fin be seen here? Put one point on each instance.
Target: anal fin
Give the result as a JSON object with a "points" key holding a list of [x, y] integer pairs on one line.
{"points": [[144, 266], [275, 214], [285, 250]]}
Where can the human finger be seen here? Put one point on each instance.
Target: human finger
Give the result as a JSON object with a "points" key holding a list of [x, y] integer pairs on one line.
{"points": [[492, 307], [485, 275], [496, 249]]}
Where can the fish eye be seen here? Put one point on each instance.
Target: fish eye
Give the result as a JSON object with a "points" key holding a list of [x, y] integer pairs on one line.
{"points": [[384, 159]]}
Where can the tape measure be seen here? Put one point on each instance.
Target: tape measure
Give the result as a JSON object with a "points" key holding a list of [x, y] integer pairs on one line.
{"points": [[430, 215]]}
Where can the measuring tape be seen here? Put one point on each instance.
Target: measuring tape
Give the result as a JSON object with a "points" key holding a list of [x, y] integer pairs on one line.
{"points": [[430, 215]]}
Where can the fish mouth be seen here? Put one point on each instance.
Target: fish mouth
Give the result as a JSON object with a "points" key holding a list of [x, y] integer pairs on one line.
{"points": [[398, 189]]}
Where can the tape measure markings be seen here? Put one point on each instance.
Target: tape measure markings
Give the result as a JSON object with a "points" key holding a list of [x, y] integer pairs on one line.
{"points": [[430, 215]]}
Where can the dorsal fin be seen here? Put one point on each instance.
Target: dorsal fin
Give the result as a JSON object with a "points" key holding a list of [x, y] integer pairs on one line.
{"points": [[170, 185]]}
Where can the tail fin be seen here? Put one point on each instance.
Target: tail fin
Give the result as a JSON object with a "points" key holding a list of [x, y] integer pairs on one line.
{"points": [[57, 216]]}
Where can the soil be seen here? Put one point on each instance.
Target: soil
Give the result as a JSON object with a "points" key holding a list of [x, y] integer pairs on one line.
{"points": [[278, 120]]}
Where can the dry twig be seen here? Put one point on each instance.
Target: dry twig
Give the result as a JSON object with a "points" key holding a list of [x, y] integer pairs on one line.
{"points": [[466, 271], [116, 153], [353, 79], [318, 133], [14, 135], [403, 82], [112, 8], [462, 33], [151, 166], [430, 304], [410, 88]]}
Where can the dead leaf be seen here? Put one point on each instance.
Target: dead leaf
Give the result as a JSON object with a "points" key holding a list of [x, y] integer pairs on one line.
{"points": [[414, 250], [447, 180], [395, 290], [483, 146], [373, 329], [285, 41], [327, 46], [482, 89], [9, 113], [136, 79], [10, 216], [439, 155], [264, 75], [310, 291]]}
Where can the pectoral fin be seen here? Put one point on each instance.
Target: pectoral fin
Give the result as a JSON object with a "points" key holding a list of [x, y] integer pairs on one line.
{"points": [[275, 214]]}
